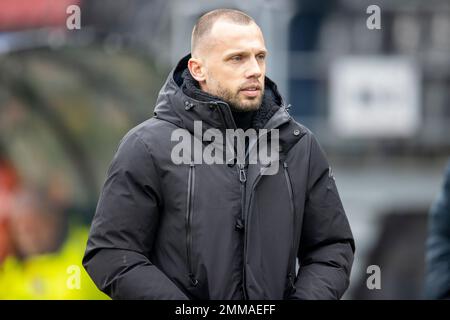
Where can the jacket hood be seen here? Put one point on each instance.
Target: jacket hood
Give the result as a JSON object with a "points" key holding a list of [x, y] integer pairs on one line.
{"points": [[174, 106]]}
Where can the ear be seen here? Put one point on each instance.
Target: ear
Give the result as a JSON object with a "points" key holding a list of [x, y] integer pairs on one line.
{"points": [[197, 69]]}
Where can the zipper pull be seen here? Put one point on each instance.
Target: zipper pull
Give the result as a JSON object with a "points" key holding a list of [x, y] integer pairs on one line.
{"points": [[193, 280], [239, 224], [291, 281], [242, 174]]}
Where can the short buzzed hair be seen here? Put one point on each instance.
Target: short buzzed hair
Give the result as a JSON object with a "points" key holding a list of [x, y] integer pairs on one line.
{"points": [[205, 23]]}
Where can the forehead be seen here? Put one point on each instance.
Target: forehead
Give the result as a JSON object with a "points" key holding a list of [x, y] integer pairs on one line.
{"points": [[231, 36]]}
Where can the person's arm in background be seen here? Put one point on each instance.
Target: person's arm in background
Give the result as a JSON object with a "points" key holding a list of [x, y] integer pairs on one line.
{"points": [[438, 245], [123, 229], [326, 246]]}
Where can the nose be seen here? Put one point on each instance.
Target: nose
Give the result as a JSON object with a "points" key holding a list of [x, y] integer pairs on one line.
{"points": [[254, 69]]}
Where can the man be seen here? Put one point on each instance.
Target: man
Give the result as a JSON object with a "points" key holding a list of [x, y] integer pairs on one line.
{"points": [[166, 230]]}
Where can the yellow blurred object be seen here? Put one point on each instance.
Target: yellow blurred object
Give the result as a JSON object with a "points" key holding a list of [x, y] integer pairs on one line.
{"points": [[58, 275]]}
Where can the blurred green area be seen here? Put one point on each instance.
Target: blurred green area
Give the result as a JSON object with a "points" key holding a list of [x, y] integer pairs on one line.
{"points": [[63, 112], [57, 275]]}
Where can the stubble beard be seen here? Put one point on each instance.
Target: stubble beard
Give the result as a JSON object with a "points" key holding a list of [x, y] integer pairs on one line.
{"points": [[238, 104]]}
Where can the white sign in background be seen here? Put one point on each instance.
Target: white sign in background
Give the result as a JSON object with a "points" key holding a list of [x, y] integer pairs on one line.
{"points": [[374, 97]]}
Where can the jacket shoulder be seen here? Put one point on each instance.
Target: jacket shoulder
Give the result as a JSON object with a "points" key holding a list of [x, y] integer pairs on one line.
{"points": [[151, 131], [304, 130], [296, 132]]}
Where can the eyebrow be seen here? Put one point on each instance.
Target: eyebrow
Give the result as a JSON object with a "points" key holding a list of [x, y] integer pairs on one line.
{"points": [[231, 54]]}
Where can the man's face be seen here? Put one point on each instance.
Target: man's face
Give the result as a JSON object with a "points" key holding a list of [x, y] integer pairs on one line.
{"points": [[234, 63]]}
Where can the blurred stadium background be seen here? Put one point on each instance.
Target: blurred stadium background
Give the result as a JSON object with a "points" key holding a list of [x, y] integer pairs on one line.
{"points": [[378, 100]]}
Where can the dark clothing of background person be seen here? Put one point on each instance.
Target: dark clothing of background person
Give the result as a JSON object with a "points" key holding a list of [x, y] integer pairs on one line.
{"points": [[438, 245], [219, 231]]}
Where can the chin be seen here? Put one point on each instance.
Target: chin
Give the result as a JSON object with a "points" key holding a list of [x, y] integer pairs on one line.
{"points": [[247, 108], [243, 105], [251, 106]]}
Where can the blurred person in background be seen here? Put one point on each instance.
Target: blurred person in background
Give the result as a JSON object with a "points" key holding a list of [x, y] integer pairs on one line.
{"points": [[36, 224], [29, 222], [42, 261], [438, 245], [35, 252], [9, 183]]}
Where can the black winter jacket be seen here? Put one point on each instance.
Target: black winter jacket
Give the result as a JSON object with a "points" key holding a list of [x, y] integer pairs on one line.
{"points": [[219, 231]]}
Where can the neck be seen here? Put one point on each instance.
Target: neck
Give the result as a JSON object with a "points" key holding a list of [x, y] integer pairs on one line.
{"points": [[243, 119]]}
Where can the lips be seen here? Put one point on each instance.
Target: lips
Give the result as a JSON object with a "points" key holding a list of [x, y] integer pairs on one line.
{"points": [[251, 90]]}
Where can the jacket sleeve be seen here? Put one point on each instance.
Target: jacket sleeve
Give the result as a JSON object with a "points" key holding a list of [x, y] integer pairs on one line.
{"points": [[124, 226], [438, 245], [326, 246]]}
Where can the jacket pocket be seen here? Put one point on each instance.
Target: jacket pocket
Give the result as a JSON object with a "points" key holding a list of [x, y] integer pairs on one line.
{"points": [[189, 212], [292, 255]]}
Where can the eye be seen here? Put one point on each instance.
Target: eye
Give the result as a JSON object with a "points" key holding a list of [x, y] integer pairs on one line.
{"points": [[261, 56], [236, 58]]}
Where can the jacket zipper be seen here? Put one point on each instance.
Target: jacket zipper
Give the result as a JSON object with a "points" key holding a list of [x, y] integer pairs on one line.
{"points": [[243, 181], [291, 264], [244, 218], [189, 209]]}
